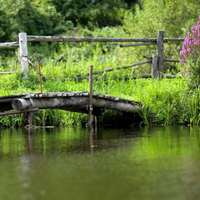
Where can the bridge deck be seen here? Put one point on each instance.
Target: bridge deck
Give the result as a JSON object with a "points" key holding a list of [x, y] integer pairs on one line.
{"points": [[70, 101]]}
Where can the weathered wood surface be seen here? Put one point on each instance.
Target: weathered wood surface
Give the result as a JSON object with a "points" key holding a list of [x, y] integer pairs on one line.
{"points": [[154, 71], [173, 39], [70, 101], [160, 51], [23, 53], [5, 72], [9, 45], [35, 38]]}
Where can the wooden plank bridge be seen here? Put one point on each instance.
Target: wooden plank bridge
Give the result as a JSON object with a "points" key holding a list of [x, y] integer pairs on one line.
{"points": [[69, 101]]}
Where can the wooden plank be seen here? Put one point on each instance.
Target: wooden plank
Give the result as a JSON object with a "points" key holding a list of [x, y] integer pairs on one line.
{"points": [[69, 103], [35, 38], [23, 53], [174, 39], [9, 45], [160, 52], [5, 72]]}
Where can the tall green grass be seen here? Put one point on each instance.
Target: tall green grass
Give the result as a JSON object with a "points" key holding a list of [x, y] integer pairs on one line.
{"points": [[163, 102]]}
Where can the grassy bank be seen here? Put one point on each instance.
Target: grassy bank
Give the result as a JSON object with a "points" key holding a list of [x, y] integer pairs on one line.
{"points": [[164, 102]]}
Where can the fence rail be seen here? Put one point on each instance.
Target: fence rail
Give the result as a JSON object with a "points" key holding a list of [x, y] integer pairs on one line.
{"points": [[156, 59], [9, 45]]}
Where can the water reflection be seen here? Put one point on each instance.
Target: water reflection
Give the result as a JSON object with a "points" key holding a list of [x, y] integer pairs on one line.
{"points": [[74, 163], [92, 138]]}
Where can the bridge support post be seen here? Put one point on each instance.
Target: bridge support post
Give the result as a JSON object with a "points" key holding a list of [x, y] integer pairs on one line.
{"points": [[90, 120]]}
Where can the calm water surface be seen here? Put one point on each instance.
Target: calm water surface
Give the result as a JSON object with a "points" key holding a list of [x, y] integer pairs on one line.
{"points": [[109, 164]]}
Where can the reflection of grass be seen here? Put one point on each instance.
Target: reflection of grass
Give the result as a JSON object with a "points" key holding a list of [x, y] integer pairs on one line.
{"points": [[12, 142], [170, 141]]}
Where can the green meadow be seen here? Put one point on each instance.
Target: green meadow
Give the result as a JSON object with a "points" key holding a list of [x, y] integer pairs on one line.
{"points": [[166, 101]]}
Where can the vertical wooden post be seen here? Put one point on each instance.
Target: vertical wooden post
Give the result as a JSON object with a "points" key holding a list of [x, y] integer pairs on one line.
{"points": [[90, 98], [23, 53], [160, 52], [154, 71]]}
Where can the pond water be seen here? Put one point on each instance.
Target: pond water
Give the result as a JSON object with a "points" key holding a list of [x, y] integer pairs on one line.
{"points": [[109, 163]]}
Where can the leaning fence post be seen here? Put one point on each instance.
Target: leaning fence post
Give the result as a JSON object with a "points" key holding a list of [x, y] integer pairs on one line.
{"points": [[23, 53], [154, 71], [160, 52]]}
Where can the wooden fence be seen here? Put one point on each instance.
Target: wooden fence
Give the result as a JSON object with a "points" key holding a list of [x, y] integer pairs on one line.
{"points": [[157, 59]]}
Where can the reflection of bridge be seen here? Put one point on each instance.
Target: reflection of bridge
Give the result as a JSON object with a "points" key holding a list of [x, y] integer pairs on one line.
{"points": [[69, 101]]}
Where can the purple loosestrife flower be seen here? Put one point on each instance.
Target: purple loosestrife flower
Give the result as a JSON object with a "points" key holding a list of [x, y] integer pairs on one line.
{"points": [[190, 49]]}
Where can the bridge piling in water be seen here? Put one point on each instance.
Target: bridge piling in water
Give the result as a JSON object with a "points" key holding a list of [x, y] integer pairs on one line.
{"points": [[90, 120]]}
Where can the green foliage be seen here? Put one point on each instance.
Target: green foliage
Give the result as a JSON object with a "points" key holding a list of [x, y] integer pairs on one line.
{"points": [[90, 13], [174, 17], [164, 102]]}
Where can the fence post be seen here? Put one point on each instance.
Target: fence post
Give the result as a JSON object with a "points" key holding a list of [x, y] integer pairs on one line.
{"points": [[23, 53], [154, 71], [160, 52]]}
